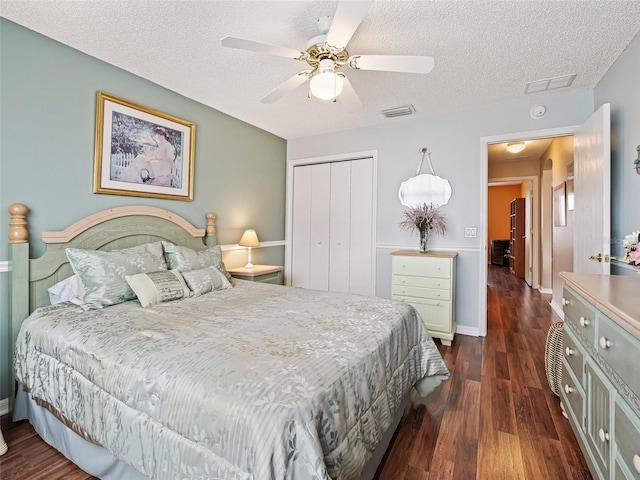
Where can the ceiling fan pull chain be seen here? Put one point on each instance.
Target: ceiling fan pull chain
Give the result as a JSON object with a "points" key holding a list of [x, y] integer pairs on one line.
{"points": [[427, 152]]}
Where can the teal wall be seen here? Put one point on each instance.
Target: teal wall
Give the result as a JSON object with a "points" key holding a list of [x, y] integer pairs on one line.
{"points": [[47, 121]]}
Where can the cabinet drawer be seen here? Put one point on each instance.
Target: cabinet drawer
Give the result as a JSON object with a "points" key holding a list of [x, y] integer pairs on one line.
{"points": [[598, 416], [620, 351], [422, 266], [579, 313], [432, 293], [573, 396], [425, 282], [627, 433], [572, 354]]}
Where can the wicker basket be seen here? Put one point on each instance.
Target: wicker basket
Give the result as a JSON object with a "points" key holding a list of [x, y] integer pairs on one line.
{"points": [[553, 357]]}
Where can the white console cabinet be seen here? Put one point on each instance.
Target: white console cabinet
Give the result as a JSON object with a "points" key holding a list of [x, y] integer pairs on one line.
{"points": [[601, 371]]}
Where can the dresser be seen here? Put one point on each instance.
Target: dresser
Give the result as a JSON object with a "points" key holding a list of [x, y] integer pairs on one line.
{"points": [[601, 370], [427, 281]]}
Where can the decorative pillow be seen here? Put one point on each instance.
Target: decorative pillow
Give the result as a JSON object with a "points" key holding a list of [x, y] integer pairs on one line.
{"points": [[186, 259], [205, 280], [101, 274], [65, 291], [156, 287]]}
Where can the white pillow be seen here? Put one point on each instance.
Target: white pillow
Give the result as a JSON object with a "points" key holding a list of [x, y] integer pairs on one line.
{"points": [[65, 291], [156, 287]]}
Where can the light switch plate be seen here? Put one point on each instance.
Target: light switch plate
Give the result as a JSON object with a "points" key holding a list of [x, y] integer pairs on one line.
{"points": [[470, 232]]}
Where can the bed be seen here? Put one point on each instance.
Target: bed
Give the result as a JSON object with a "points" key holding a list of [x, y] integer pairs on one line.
{"points": [[254, 381]]}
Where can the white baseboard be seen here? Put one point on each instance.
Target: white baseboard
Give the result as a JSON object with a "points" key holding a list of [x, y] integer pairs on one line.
{"points": [[4, 406], [545, 291], [557, 308], [5, 266], [464, 330]]}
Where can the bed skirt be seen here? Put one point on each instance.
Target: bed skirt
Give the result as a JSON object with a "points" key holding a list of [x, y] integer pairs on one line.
{"points": [[97, 461]]}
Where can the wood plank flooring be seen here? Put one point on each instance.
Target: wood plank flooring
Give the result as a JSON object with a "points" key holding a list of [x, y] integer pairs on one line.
{"points": [[495, 418]]}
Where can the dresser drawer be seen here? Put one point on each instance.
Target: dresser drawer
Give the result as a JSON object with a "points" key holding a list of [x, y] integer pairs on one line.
{"points": [[620, 351], [422, 266], [579, 313], [627, 432], [572, 396], [435, 314], [572, 354], [420, 292], [424, 282]]}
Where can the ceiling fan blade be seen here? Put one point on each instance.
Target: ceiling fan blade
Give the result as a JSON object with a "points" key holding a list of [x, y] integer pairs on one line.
{"points": [[244, 44], [286, 87], [349, 97], [347, 19], [392, 63]]}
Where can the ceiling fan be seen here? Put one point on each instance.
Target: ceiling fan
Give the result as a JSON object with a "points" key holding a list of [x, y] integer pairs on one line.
{"points": [[327, 53]]}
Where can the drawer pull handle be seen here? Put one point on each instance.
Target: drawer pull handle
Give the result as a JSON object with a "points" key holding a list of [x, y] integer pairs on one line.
{"points": [[604, 343], [568, 389], [636, 463], [566, 301], [584, 322], [569, 352], [604, 436]]}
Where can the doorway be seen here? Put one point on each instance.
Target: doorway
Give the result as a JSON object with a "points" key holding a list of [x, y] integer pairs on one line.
{"points": [[535, 208]]}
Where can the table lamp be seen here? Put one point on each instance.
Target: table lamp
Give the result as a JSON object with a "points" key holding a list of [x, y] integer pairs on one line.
{"points": [[249, 239]]}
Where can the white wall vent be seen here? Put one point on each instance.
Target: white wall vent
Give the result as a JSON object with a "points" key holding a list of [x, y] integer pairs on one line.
{"points": [[400, 111]]}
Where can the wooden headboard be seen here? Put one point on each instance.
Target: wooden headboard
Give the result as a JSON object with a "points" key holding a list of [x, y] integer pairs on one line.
{"points": [[110, 229]]}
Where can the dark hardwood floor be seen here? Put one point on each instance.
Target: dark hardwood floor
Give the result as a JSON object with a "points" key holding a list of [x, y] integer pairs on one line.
{"points": [[495, 418]]}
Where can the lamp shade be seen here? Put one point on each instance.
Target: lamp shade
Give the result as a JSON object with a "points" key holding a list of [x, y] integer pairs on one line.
{"points": [[249, 239]]}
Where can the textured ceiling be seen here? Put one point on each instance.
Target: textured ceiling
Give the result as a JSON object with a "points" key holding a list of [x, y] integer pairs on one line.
{"points": [[485, 51]]}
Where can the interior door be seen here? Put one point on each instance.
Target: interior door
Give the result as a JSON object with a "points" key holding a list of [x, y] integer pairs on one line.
{"points": [[592, 194]]}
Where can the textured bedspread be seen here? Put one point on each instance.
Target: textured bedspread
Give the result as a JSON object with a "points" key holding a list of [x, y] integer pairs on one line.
{"points": [[255, 382]]}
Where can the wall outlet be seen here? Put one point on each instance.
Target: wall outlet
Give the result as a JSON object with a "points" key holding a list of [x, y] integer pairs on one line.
{"points": [[470, 232]]}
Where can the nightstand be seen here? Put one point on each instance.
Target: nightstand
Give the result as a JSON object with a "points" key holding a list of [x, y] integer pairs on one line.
{"points": [[259, 273]]}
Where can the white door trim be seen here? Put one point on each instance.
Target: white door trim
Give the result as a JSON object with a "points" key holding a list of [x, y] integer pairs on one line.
{"points": [[341, 157], [484, 182]]}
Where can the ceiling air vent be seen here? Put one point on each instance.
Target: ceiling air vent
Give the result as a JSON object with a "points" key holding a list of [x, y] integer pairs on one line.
{"points": [[400, 111]]}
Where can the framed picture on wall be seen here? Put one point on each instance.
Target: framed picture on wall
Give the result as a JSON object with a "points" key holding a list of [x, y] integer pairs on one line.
{"points": [[142, 152], [559, 206]]}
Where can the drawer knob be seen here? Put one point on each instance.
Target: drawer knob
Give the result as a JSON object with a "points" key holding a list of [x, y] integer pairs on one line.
{"points": [[566, 301], [569, 352], [636, 463], [584, 322], [604, 343], [568, 389], [604, 436], [438, 284], [438, 268], [404, 281]]}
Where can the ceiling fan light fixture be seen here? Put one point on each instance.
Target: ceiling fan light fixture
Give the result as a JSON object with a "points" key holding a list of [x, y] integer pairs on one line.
{"points": [[515, 147], [325, 84]]}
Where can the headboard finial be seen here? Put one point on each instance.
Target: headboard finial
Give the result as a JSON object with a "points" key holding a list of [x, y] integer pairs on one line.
{"points": [[18, 232], [211, 224]]}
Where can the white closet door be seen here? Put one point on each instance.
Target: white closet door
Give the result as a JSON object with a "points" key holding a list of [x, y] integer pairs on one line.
{"points": [[320, 224], [362, 222], [340, 229], [301, 218]]}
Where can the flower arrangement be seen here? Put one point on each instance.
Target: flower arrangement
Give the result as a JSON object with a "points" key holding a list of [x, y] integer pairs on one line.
{"points": [[631, 249], [425, 219]]}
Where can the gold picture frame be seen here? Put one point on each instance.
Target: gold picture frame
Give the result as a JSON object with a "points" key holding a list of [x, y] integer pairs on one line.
{"points": [[142, 152]]}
